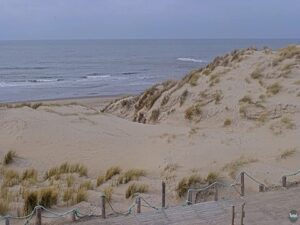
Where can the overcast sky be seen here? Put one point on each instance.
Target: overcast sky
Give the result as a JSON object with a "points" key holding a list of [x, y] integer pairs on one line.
{"points": [[98, 19]]}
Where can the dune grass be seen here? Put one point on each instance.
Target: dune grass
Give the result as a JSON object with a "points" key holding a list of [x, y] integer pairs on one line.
{"points": [[86, 185], [11, 177], [274, 88], [193, 111], [246, 99], [183, 97], [68, 195], [80, 195], [4, 207], [136, 188], [30, 201], [287, 153], [288, 122], [9, 157], [30, 174], [212, 177], [256, 74], [66, 168], [227, 122], [48, 197], [108, 191], [234, 166], [154, 115], [100, 180], [187, 182], [132, 174], [112, 171]]}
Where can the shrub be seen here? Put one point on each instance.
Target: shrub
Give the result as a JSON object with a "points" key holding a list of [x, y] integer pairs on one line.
{"points": [[9, 157], [30, 201], [136, 188], [227, 122], [130, 175], [274, 88], [48, 197], [115, 170]]}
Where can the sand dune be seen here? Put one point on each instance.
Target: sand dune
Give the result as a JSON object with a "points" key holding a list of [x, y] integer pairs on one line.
{"points": [[242, 107]]}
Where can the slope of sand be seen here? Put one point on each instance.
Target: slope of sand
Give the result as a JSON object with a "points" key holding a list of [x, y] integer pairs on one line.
{"points": [[261, 126]]}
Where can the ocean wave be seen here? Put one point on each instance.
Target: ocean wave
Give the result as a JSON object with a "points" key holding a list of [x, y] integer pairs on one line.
{"points": [[129, 73], [191, 60], [23, 83], [96, 76], [24, 68]]}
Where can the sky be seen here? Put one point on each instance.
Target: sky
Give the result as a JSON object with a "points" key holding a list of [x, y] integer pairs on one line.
{"points": [[147, 19]]}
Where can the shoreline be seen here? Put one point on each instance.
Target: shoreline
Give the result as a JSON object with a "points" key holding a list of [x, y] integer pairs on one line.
{"points": [[67, 99]]}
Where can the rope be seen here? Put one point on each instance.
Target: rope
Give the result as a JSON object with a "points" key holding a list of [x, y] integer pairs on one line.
{"points": [[128, 212], [255, 180], [293, 174], [148, 204]]}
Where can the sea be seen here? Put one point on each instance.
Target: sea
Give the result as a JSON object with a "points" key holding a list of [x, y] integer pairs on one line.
{"points": [[43, 70]]}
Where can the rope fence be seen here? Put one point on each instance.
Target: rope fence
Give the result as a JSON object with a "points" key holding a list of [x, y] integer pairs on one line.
{"points": [[238, 186]]}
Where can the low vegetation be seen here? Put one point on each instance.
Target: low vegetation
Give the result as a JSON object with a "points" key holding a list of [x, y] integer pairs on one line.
{"points": [[288, 122], [133, 174], [86, 185], [48, 197], [183, 97], [193, 112], [108, 191], [136, 188], [212, 177], [256, 74], [112, 171], [154, 115], [274, 88], [9, 157], [188, 182], [234, 166], [288, 153], [30, 174], [246, 99], [227, 122], [100, 180], [66, 168], [4, 207]]}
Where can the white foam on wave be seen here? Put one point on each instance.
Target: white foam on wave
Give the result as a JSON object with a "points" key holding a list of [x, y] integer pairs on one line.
{"points": [[191, 60], [98, 76]]}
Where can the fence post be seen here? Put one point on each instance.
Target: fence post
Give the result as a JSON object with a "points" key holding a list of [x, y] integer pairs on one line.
{"points": [[242, 183], [6, 221], [243, 214], [103, 206], [163, 200], [216, 192], [261, 188], [73, 216], [190, 197], [284, 181], [232, 215], [38, 219], [138, 202]]}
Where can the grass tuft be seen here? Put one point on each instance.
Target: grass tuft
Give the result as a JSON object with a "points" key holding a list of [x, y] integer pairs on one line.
{"points": [[227, 122], [193, 111], [187, 182], [112, 171], [237, 164], [48, 197], [288, 153], [274, 88], [130, 175], [108, 191], [154, 115], [30, 174], [30, 201], [66, 168], [136, 188], [87, 185], [4, 207], [212, 177], [9, 157]]}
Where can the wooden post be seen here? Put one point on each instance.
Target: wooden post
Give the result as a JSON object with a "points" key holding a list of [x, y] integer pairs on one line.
{"points": [[243, 214], [6, 221], [138, 203], [103, 206], [242, 183], [163, 196], [284, 181], [216, 192], [232, 215], [38, 219], [73, 216], [190, 197], [261, 188]]}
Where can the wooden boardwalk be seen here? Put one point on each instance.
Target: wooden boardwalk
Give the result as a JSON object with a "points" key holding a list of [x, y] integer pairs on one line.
{"points": [[270, 208]]}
